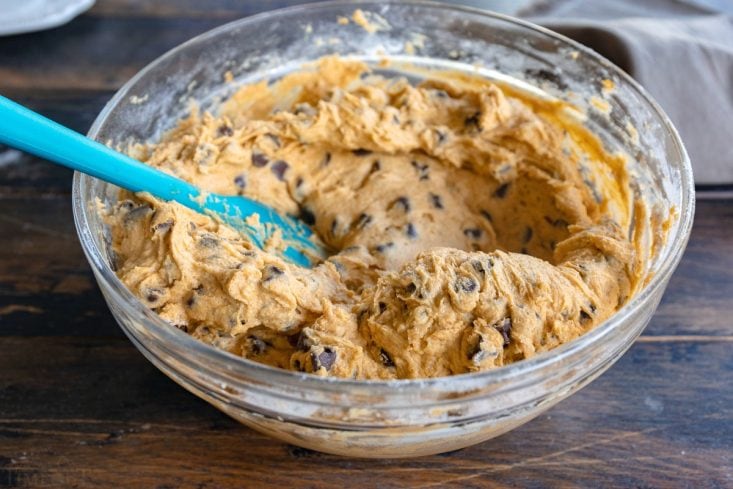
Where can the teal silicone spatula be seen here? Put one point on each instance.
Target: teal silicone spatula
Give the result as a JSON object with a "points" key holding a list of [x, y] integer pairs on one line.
{"points": [[28, 131]]}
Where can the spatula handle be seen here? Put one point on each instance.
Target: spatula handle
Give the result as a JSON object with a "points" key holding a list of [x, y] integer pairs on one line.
{"points": [[26, 130]]}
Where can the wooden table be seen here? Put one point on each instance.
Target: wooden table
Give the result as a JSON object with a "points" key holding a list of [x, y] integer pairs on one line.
{"points": [[80, 407]]}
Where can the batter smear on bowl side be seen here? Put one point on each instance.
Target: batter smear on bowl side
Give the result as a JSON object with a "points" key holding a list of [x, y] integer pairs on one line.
{"points": [[473, 226]]}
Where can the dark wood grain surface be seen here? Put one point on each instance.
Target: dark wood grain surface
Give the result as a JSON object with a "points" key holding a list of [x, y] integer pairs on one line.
{"points": [[80, 407]]}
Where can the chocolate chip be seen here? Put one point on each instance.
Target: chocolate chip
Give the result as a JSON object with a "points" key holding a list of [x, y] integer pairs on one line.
{"points": [[326, 159], [411, 231], [381, 248], [501, 190], [307, 216], [292, 339], [362, 152], [473, 233], [465, 284], [152, 297], [224, 130], [478, 266], [422, 169], [403, 202], [304, 342], [584, 317], [504, 327], [363, 220], [411, 288], [436, 200], [325, 359], [271, 272], [382, 307], [486, 215], [441, 136], [163, 227], [259, 160], [256, 345], [560, 223], [240, 181], [473, 120], [279, 168], [385, 358], [191, 301], [527, 235], [126, 205]]}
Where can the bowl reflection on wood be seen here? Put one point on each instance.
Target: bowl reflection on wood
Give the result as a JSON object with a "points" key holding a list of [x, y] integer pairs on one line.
{"points": [[405, 417]]}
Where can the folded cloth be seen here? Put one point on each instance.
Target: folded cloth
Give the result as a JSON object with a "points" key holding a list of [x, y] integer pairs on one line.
{"points": [[681, 52]]}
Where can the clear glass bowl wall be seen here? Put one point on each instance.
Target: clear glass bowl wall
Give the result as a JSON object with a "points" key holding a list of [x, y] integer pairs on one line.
{"points": [[397, 418]]}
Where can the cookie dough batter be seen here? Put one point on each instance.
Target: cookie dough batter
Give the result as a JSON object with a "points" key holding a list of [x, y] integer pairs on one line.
{"points": [[473, 226]]}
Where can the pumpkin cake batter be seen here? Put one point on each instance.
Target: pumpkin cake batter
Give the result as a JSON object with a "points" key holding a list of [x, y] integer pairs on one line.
{"points": [[472, 228]]}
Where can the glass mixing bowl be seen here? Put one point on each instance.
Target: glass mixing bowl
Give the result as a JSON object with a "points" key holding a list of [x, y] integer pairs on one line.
{"points": [[405, 417]]}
